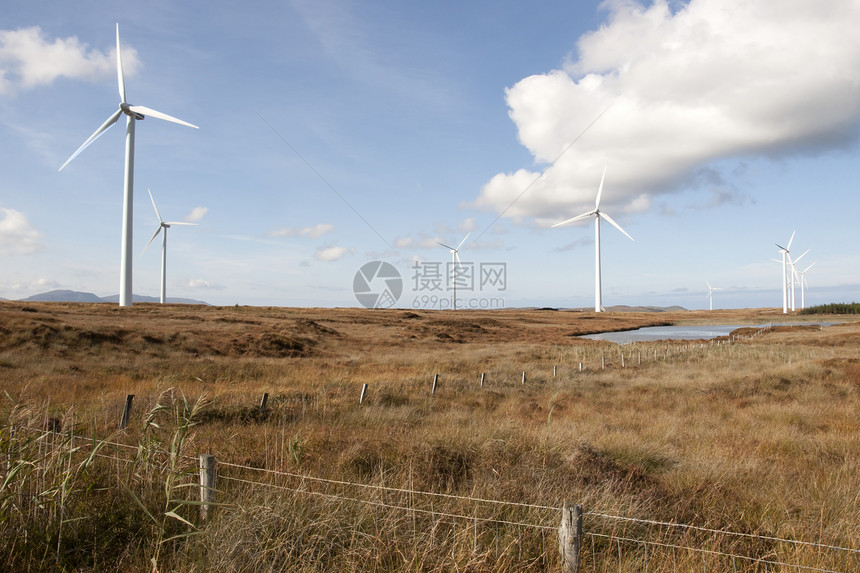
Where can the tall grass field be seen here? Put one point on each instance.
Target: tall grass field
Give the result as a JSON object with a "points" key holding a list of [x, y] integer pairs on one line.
{"points": [[737, 454]]}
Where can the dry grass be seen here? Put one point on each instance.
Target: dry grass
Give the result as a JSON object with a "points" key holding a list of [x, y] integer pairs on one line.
{"points": [[757, 436]]}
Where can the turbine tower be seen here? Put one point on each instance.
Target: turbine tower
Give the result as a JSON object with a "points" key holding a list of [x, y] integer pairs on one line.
{"points": [[711, 295], [455, 260], [597, 214], [794, 276], [133, 113], [165, 226], [785, 253], [803, 285]]}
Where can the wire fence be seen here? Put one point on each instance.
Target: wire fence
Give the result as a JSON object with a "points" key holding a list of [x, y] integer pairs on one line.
{"points": [[518, 530]]}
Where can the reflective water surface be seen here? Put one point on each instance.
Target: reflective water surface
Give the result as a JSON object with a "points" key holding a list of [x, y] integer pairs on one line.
{"points": [[669, 333]]}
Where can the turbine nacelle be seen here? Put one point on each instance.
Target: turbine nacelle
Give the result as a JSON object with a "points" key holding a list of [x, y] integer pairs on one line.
{"points": [[126, 109]]}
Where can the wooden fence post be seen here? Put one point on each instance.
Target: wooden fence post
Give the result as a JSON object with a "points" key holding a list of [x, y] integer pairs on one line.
{"points": [[123, 424], [363, 393], [435, 381], [554, 371], [570, 537], [207, 483], [482, 379], [263, 402], [524, 377]]}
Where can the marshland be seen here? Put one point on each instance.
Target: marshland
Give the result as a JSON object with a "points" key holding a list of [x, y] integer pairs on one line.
{"points": [[739, 453]]}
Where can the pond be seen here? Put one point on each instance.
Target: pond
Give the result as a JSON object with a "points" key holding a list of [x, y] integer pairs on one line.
{"points": [[650, 333]]}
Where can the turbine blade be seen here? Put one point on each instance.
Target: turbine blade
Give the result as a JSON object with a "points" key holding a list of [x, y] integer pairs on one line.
{"points": [[781, 248], [119, 75], [600, 190], [149, 112], [577, 218], [807, 268], [171, 223], [614, 224], [157, 214], [446, 246], [150, 240], [463, 241], [801, 256], [457, 256], [110, 121], [788, 248]]}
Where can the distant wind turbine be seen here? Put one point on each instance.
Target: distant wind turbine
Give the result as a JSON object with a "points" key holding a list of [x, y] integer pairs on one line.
{"points": [[132, 112], [785, 253], [711, 295], [794, 276], [165, 226], [597, 214], [455, 260], [803, 285]]}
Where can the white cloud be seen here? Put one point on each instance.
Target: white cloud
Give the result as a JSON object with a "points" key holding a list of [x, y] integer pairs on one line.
{"points": [[332, 253], [29, 59], [716, 79], [402, 242], [17, 236], [312, 232], [203, 284], [196, 214]]}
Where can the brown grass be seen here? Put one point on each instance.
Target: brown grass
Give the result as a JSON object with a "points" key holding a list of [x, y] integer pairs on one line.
{"points": [[756, 436]]}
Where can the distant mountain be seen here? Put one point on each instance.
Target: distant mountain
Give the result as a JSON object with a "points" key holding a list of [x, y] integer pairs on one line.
{"points": [[75, 296], [63, 296]]}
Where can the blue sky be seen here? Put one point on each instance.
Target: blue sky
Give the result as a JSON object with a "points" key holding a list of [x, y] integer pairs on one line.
{"points": [[337, 133]]}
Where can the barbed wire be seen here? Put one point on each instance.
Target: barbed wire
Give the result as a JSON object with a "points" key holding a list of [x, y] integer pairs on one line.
{"points": [[391, 506], [710, 552], [411, 492]]}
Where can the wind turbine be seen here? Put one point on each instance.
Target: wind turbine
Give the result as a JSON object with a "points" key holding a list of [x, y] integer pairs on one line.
{"points": [[133, 113], [165, 226], [794, 277], [455, 260], [785, 253], [711, 295], [803, 285], [597, 214]]}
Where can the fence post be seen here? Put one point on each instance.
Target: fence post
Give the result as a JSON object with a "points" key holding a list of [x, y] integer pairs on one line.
{"points": [[207, 483], [524, 377], [554, 371], [263, 402], [482, 379], [363, 393], [123, 424], [435, 381], [570, 537]]}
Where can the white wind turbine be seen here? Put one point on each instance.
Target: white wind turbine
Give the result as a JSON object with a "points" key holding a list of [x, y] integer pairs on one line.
{"points": [[455, 261], [164, 226], [785, 253], [803, 285], [794, 276], [597, 214], [133, 113], [711, 295]]}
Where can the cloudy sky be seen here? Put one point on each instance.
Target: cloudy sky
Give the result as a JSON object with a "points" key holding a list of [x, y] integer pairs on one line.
{"points": [[333, 134]]}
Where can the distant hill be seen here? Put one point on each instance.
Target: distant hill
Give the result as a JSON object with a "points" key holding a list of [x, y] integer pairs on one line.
{"points": [[63, 296], [76, 296], [625, 308]]}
